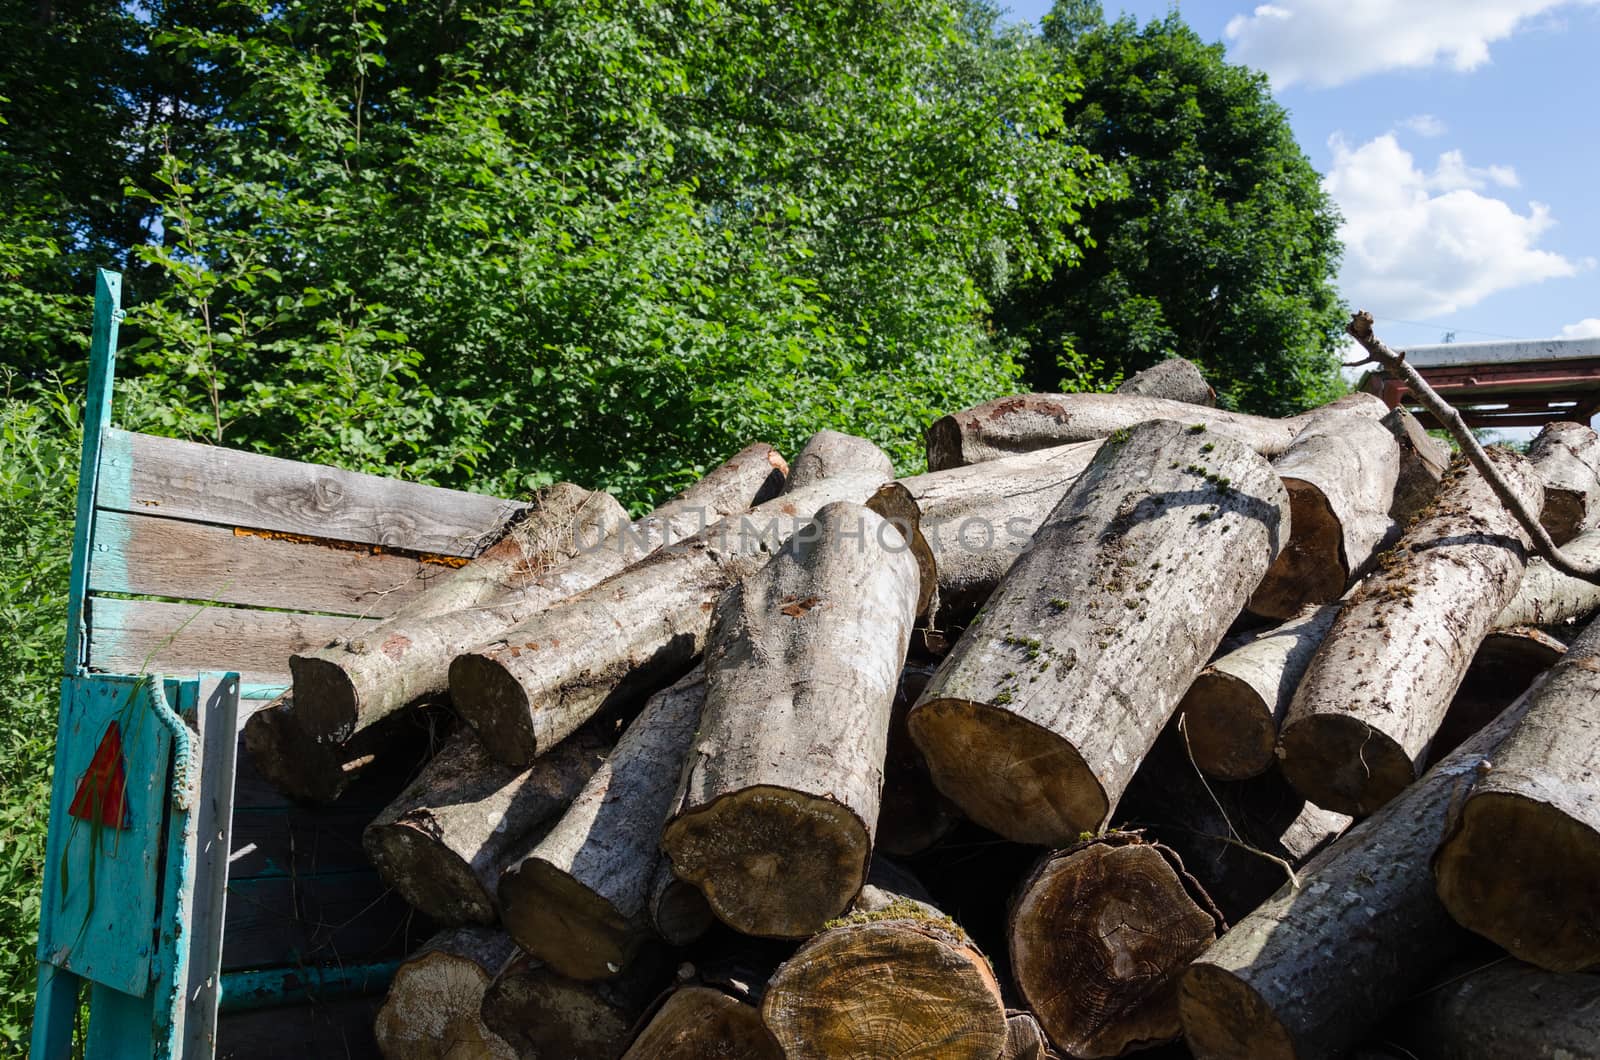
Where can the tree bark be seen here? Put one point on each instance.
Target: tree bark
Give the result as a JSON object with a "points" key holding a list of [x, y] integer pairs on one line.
{"points": [[1040, 714], [633, 633], [1567, 456], [1024, 1038], [1504, 666], [1358, 728], [896, 982], [1521, 865], [1546, 597], [1311, 971], [1340, 474], [779, 804], [443, 842], [1507, 1010], [913, 815], [310, 770], [346, 687], [1025, 422], [1174, 379], [541, 1014], [1232, 711], [1423, 462], [579, 899], [433, 1010], [1098, 935]]}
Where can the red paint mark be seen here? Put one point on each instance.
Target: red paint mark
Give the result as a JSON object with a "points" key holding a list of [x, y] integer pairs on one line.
{"points": [[102, 796], [798, 608], [395, 647]]}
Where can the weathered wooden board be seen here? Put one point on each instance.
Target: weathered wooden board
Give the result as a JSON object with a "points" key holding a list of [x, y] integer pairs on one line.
{"points": [[339, 1029], [150, 556], [135, 636], [331, 918], [186, 480]]}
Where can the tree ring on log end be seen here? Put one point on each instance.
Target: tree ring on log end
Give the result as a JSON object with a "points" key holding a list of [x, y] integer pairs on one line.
{"points": [[882, 989], [503, 713], [1526, 876], [1231, 731], [1343, 764], [1008, 774], [324, 697], [771, 861], [565, 924], [1225, 1019], [433, 877], [1312, 568]]}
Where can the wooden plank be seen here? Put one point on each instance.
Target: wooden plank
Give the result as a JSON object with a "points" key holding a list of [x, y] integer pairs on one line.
{"points": [[134, 636], [341, 1029], [210, 484], [216, 720], [332, 918], [148, 556]]}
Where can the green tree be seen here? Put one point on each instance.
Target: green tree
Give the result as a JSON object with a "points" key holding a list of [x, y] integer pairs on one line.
{"points": [[1223, 248]]}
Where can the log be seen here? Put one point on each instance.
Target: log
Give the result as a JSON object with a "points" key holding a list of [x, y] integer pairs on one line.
{"points": [[830, 455], [678, 911], [433, 1009], [637, 631], [712, 1015], [1423, 462], [346, 687], [1232, 711], [1358, 728], [1318, 965], [775, 819], [1506, 1010], [1503, 667], [1038, 717], [1240, 839], [310, 770], [1025, 422], [1098, 935], [1521, 864], [578, 900], [896, 982], [541, 1014], [912, 815], [443, 842], [1174, 379], [1340, 473], [1567, 456], [1024, 1038], [1546, 597]]}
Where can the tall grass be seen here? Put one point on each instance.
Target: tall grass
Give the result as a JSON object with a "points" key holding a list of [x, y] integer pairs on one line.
{"points": [[40, 431]]}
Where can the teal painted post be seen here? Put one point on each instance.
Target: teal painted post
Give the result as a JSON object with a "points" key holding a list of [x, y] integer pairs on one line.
{"points": [[96, 418], [55, 1007]]}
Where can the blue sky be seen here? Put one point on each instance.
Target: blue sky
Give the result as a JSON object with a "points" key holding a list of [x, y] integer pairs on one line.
{"points": [[1460, 138]]}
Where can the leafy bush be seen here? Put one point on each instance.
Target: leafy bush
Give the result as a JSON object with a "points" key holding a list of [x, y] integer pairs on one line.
{"points": [[40, 432]]}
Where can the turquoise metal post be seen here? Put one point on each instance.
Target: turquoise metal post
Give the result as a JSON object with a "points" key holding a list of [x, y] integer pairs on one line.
{"points": [[56, 1001]]}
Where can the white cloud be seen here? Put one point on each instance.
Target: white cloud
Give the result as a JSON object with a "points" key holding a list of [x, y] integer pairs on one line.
{"points": [[1424, 125], [1421, 244], [1587, 328], [1329, 42]]}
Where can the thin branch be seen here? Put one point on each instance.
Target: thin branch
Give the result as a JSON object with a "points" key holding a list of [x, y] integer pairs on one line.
{"points": [[1360, 329]]}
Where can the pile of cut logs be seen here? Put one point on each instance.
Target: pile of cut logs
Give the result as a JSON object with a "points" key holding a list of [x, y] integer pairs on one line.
{"points": [[1132, 723]]}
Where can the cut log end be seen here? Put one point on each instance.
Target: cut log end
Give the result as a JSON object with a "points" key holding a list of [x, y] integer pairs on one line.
{"points": [[679, 912], [1008, 774], [1312, 568], [428, 874], [563, 923], [1098, 939], [1343, 764], [1231, 730], [895, 987], [503, 717], [1224, 1019], [1511, 871], [433, 1008], [704, 1023], [325, 697], [743, 849], [943, 439]]}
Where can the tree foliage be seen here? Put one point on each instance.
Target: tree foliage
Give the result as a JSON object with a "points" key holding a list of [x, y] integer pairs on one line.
{"points": [[1223, 248]]}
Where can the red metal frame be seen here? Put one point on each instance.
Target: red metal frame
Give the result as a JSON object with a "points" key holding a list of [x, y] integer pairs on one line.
{"points": [[1529, 394]]}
